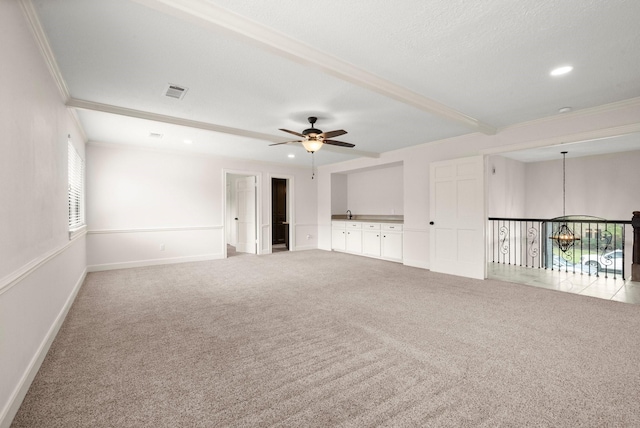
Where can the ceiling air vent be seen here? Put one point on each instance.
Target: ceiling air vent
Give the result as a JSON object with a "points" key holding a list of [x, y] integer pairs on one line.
{"points": [[175, 91], [155, 135]]}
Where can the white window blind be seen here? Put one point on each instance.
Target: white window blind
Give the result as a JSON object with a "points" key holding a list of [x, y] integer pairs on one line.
{"points": [[76, 188]]}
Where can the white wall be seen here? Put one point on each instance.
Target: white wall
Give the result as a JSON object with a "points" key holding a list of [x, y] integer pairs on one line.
{"points": [[577, 126], [141, 199], [606, 186], [378, 191], [506, 188], [40, 269], [339, 193]]}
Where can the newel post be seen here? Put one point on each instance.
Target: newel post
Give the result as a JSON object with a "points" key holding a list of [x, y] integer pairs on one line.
{"points": [[635, 264]]}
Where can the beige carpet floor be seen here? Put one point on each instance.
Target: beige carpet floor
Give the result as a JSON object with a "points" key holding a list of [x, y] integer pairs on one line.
{"points": [[320, 339]]}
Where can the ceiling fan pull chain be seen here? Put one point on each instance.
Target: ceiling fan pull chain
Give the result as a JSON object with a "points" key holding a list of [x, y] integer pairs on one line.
{"points": [[313, 168]]}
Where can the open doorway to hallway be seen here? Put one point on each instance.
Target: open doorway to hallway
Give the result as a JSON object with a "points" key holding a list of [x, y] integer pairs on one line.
{"points": [[283, 227], [279, 219], [241, 229]]}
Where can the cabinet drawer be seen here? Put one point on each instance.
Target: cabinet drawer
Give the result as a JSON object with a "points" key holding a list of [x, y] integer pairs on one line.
{"points": [[392, 227], [371, 226], [354, 225], [338, 224]]}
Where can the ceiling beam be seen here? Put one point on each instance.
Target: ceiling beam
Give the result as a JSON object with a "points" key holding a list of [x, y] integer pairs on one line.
{"points": [[211, 16], [349, 151], [139, 114]]}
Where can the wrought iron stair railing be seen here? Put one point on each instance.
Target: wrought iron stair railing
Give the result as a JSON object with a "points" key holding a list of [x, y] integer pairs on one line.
{"points": [[597, 248]]}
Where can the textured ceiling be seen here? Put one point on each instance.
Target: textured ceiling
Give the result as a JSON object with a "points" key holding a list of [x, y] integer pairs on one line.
{"points": [[489, 60]]}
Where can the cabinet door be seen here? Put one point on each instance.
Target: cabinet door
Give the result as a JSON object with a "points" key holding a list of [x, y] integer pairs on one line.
{"points": [[338, 237], [371, 243], [392, 246], [354, 241]]}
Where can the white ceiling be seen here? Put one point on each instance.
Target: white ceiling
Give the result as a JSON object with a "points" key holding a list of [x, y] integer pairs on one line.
{"points": [[392, 74]]}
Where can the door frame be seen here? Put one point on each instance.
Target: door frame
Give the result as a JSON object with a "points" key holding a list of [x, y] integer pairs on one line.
{"points": [[290, 210], [258, 178]]}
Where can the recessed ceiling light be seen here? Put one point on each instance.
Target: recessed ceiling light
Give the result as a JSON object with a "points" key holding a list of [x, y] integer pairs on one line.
{"points": [[187, 141], [292, 156], [561, 70], [565, 110]]}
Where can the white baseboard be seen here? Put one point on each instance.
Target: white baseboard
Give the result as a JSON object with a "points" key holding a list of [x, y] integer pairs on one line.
{"points": [[153, 262], [305, 247], [9, 412], [416, 263]]}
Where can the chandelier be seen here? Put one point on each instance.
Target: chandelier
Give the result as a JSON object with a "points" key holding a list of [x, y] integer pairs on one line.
{"points": [[564, 237]]}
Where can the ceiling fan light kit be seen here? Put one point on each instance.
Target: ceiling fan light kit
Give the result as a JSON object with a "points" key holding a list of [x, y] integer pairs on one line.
{"points": [[314, 138], [312, 146]]}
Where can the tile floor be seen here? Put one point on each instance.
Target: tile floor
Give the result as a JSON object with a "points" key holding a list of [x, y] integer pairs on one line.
{"points": [[595, 286]]}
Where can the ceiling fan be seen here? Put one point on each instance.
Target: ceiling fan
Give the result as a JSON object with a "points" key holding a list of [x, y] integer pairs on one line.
{"points": [[313, 139]]}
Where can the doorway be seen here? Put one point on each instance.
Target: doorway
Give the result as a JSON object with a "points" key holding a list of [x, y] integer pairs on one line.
{"points": [[241, 207], [279, 218]]}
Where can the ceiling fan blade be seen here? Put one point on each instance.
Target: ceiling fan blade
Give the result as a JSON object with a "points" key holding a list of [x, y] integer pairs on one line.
{"points": [[338, 143], [293, 132], [331, 134], [286, 142]]}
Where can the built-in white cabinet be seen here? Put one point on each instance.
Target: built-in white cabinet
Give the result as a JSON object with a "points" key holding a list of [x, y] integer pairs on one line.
{"points": [[371, 239], [338, 235], [354, 237], [380, 240], [392, 242]]}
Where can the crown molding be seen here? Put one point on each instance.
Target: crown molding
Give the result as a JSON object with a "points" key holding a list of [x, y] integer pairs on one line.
{"points": [[45, 48], [139, 114], [211, 16]]}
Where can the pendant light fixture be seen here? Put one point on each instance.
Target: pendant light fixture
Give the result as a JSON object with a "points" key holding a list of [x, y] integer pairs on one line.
{"points": [[564, 237]]}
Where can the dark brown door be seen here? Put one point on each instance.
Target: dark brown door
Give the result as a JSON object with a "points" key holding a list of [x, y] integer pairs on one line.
{"points": [[279, 210]]}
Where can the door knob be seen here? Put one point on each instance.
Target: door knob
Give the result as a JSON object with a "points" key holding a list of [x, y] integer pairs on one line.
{"points": [[431, 223]]}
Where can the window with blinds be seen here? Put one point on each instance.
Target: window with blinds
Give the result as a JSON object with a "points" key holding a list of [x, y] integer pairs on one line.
{"points": [[76, 188]]}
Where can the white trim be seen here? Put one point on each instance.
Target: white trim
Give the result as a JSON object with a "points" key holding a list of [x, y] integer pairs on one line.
{"points": [[416, 263], [77, 231], [218, 18], [76, 119], [153, 262], [258, 176], [18, 394], [155, 229], [304, 248], [595, 134], [13, 278], [122, 111], [45, 48]]}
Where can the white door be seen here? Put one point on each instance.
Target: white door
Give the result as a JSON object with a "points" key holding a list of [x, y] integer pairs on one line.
{"points": [[246, 200], [457, 207]]}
